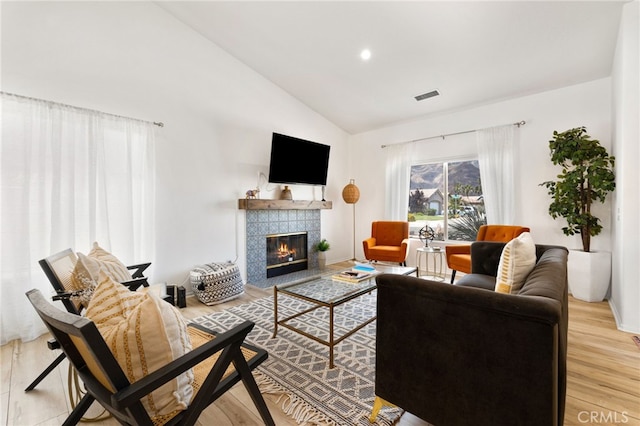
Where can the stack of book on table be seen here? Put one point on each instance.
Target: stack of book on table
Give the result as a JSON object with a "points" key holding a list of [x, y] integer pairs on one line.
{"points": [[360, 272]]}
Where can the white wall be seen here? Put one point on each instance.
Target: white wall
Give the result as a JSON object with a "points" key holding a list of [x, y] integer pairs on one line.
{"points": [[625, 294], [134, 59], [586, 104]]}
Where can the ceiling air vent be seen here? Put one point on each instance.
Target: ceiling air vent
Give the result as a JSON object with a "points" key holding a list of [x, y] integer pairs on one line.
{"points": [[427, 95]]}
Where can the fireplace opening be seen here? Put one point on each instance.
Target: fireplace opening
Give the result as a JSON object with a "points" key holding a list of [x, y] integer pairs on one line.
{"points": [[286, 253]]}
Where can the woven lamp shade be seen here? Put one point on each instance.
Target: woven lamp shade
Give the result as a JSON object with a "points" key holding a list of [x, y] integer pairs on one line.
{"points": [[351, 193]]}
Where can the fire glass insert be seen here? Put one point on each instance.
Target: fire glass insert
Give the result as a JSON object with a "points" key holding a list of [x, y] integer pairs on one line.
{"points": [[286, 253]]}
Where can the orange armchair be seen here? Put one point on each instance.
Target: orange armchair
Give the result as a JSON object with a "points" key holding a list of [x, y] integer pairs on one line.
{"points": [[459, 256], [389, 242]]}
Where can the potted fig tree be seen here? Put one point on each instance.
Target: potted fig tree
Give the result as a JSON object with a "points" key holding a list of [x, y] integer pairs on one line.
{"points": [[587, 177]]}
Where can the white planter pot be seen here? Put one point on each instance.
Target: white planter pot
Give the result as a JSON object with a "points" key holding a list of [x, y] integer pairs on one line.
{"points": [[589, 274], [322, 259]]}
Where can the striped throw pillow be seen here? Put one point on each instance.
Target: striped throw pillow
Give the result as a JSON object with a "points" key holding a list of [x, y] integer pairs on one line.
{"points": [[144, 334], [517, 260], [111, 303]]}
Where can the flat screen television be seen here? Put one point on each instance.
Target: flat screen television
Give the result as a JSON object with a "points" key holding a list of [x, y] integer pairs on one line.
{"points": [[298, 161]]}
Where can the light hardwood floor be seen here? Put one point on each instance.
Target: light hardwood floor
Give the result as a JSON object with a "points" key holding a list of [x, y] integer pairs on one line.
{"points": [[603, 377]]}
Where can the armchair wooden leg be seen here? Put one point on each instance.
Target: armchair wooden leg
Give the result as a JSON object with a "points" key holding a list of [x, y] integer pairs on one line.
{"points": [[453, 275], [254, 392], [78, 412], [44, 374]]}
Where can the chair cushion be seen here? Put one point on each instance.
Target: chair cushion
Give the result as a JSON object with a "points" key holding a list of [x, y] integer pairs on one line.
{"points": [[144, 334], [85, 274], [460, 262], [516, 262]]}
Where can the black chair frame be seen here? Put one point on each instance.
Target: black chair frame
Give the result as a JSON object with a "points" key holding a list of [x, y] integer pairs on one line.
{"points": [[137, 280], [80, 339]]}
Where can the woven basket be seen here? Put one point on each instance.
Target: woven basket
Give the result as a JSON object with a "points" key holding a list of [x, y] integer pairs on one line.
{"points": [[215, 283]]}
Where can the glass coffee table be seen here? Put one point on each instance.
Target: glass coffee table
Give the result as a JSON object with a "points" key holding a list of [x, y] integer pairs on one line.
{"points": [[324, 292]]}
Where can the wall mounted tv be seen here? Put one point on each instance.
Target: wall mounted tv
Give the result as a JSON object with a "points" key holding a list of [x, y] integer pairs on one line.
{"points": [[298, 161]]}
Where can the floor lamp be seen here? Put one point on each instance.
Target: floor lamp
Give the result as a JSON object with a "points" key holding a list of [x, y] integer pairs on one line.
{"points": [[351, 195]]}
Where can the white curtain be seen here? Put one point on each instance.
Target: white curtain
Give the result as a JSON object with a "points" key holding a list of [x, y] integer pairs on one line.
{"points": [[495, 158], [69, 177], [398, 173]]}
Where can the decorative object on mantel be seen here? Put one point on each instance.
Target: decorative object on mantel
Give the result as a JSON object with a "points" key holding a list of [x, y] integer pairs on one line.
{"points": [[321, 247], [253, 193], [587, 176], [351, 195], [286, 193]]}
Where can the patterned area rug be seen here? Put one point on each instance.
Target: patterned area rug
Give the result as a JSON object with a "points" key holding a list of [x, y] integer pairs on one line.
{"points": [[298, 367]]}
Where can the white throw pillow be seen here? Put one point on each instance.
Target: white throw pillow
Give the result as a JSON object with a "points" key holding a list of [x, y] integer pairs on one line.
{"points": [[516, 262]]}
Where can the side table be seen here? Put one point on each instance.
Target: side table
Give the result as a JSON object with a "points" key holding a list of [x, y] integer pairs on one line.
{"points": [[437, 258]]}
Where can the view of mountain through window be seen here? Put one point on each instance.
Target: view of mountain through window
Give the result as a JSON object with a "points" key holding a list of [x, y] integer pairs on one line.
{"points": [[448, 198]]}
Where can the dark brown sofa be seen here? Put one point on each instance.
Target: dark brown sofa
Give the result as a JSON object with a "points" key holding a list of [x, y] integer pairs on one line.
{"points": [[462, 355]]}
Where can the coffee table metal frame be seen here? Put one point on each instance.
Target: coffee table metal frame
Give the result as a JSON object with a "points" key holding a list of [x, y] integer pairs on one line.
{"points": [[323, 292]]}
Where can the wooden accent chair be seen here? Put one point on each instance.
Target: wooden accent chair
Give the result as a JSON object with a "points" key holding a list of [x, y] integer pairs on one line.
{"points": [[219, 361], [389, 242], [459, 256], [58, 268]]}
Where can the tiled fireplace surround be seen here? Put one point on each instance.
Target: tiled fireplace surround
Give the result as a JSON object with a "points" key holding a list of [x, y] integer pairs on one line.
{"points": [[260, 223]]}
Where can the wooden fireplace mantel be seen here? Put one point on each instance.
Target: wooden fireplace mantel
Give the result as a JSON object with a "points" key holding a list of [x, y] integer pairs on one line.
{"points": [[256, 204]]}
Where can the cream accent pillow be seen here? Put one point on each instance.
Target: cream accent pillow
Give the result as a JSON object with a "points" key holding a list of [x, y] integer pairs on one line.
{"points": [[144, 338], [109, 263], [516, 262], [85, 275]]}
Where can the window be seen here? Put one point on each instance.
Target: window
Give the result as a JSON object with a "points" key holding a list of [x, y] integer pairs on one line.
{"points": [[447, 197]]}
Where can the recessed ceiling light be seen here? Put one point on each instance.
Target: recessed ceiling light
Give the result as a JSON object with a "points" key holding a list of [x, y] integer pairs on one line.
{"points": [[365, 54]]}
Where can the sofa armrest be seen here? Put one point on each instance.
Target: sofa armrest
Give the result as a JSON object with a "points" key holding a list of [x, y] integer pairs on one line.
{"points": [[404, 247], [457, 249], [367, 244], [477, 357]]}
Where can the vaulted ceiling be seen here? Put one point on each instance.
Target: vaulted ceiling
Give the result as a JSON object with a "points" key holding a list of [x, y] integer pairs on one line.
{"points": [[472, 52]]}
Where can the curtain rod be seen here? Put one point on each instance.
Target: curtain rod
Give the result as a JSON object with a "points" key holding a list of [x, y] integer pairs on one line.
{"points": [[519, 123], [157, 123]]}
